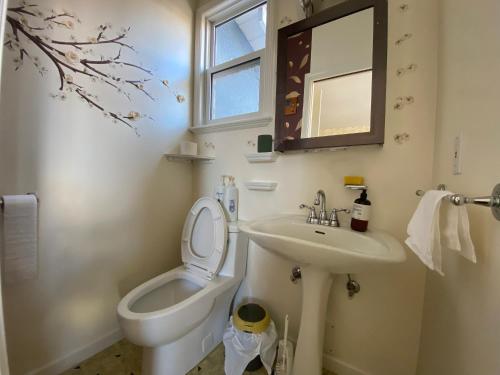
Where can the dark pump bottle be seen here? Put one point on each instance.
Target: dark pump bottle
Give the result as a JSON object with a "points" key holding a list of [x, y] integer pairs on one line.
{"points": [[361, 213]]}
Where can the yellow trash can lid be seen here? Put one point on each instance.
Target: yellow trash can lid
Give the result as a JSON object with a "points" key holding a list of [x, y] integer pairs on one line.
{"points": [[251, 318]]}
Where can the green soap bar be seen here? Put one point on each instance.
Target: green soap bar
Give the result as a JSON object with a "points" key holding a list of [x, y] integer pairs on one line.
{"points": [[265, 143]]}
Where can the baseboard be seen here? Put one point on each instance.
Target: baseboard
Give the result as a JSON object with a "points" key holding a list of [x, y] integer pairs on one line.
{"points": [[340, 367], [74, 358]]}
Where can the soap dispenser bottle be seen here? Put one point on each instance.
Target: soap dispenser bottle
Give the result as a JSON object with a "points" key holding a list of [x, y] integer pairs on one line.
{"points": [[361, 213], [231, 200]]}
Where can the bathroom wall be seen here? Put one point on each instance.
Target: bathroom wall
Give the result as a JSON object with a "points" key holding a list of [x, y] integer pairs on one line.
{"points": [[4, 361], [111, 207], [461, 325], [378, 331]]}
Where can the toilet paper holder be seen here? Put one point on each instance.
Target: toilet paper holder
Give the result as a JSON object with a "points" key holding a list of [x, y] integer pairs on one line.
{"points": [[2, 204], [492, 201]]}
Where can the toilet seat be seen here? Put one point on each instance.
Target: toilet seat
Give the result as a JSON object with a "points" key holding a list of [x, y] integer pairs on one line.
{"points": [[204, 238], [180, 316]]}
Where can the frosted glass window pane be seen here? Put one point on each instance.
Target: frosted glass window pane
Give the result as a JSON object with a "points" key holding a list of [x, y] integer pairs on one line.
{"points": [[241, 35], [235, 91], [342, 105]]}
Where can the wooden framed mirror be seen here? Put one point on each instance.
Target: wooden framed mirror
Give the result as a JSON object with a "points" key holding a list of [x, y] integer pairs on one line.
{"points": [[331, 78]]}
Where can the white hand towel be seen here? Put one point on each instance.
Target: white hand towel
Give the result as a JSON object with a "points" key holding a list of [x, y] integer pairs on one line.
{"points": [[20, 237], [456, 232], [423, 230]]}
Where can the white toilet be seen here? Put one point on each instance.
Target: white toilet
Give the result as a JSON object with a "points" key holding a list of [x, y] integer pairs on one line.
{"points": [[180, 316]]}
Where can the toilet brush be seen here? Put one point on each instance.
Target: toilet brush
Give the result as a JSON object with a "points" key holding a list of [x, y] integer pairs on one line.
{"points": [[285, 354]]}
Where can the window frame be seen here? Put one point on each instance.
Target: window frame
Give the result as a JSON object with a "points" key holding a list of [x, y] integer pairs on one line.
{"points": [[228, 65], [208, 17]]}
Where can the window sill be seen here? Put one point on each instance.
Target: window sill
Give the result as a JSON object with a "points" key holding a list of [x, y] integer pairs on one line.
{"points": [[232, 125]]}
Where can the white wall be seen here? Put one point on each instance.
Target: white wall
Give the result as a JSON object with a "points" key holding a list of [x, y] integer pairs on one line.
{"points": [[4, 362], [461, 317], [378, 331], [111, 207]]}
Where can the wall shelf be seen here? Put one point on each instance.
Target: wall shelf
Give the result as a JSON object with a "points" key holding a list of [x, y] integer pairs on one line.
{"points": [[261, 185], [262, 157], [179, 157]]}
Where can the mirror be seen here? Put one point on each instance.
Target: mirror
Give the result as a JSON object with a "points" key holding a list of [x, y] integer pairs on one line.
{"points": [[331, 78]]}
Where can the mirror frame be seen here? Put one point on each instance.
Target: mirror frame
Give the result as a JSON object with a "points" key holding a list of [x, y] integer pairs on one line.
{"points": [[379, 76]]}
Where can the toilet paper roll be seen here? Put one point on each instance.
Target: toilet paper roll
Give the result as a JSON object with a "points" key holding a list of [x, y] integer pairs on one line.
{"points": [[189, 148]]}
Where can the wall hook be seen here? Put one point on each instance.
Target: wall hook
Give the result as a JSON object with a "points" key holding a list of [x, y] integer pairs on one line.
{"points": [[404, 7], [404, 38]]}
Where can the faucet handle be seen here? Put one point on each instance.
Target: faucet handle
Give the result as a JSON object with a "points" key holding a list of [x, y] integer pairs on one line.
{"points": [[346, 210], [312, 218], [334, 219]]}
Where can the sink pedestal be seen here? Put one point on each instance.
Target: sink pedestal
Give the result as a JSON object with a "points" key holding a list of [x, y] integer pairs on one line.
{"points": [[316, 285], [327, 251]]}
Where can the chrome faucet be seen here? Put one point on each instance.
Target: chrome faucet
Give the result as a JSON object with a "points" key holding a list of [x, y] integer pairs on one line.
{"points": [[311, 218], [334, 219], [321, 202], [322, 219]]}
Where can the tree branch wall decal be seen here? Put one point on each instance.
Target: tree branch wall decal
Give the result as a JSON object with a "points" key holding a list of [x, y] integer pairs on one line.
{"points": [[81, 64]]}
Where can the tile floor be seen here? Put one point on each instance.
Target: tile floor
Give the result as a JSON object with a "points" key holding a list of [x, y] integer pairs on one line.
{"points": [[124, 358]]}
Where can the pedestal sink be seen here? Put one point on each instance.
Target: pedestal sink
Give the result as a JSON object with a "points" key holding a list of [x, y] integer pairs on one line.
{"points": [[321, 251]]}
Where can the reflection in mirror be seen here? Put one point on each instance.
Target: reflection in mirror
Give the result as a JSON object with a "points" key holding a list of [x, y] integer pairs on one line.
{"points": [[337, 105], [337, 89], [331, 78], [329, 71]]}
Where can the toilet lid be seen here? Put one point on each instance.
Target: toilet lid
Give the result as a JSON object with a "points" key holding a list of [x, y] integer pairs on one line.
{"points": [[204, 237]]}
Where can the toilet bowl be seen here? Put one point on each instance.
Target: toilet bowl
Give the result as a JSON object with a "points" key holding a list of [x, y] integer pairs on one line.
{"points": [[179, 316]]}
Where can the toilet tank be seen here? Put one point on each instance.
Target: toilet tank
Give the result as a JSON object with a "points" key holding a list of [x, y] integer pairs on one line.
{"points": [[235, 264]]}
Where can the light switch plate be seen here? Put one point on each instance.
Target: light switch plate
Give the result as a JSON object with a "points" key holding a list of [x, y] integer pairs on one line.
{"points": [[457, 154]]}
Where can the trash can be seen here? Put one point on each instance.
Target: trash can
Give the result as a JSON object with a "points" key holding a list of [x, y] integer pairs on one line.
{"points": [[251, 318], [249, 340]]}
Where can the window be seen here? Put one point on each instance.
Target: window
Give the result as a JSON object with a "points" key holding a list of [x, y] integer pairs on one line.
{"points": [[235, 91], [232, 62], [240, 35]]}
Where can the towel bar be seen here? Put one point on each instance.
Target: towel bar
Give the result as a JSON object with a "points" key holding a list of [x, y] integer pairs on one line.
{"points": [[492, 201], [1, 199]]}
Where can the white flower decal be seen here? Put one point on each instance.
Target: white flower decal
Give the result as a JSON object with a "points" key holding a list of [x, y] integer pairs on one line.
{"points": [[81, 64], [72, 57], [133, 115]]}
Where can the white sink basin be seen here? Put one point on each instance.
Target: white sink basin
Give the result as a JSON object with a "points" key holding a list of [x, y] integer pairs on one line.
{"points": [[320, 251], [338, 250]]}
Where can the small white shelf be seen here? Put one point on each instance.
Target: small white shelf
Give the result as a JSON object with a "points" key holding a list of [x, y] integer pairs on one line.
{"points": [[179, 157], [262, 157], [261, 185]]}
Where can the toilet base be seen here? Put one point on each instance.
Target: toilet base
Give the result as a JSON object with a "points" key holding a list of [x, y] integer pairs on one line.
{"points": [[180, 356]]}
